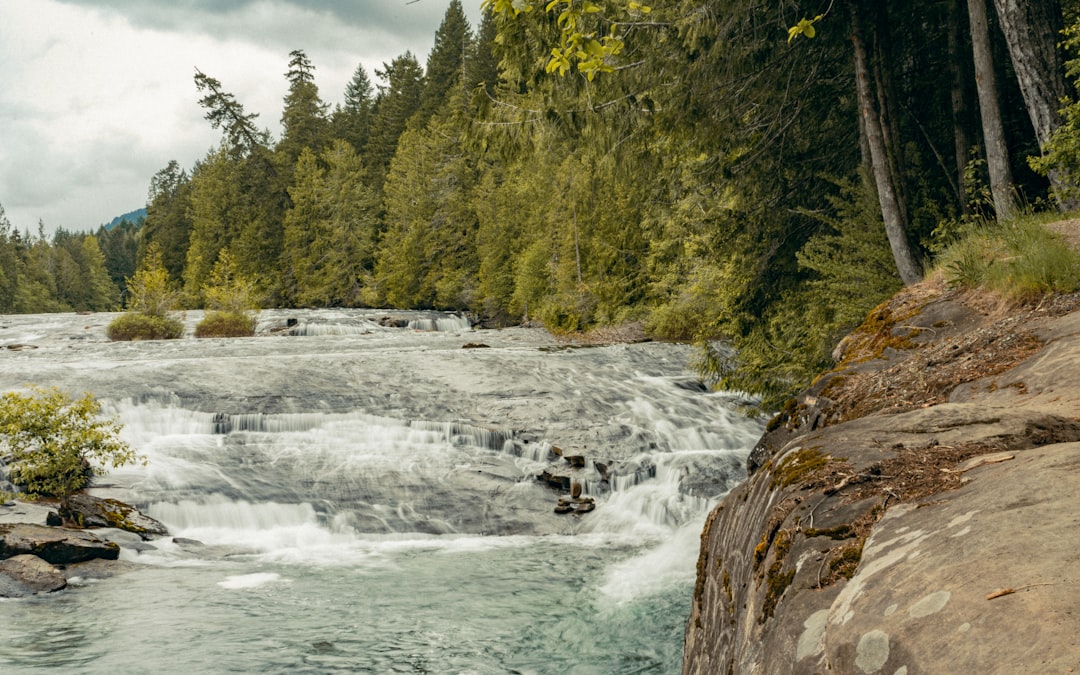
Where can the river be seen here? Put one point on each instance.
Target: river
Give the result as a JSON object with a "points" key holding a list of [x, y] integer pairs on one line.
{"points": [[346, 495]]}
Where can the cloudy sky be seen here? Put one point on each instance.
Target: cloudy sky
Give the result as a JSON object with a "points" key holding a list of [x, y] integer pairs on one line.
{"points": [[97, 95]]}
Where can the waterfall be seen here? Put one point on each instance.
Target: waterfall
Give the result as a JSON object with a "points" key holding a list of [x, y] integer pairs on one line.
{"points": [[442, 324], [365, 460]]}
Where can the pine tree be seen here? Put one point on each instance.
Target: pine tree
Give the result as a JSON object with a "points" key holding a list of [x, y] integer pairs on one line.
{"points": [[352, 121], [446, 62], [428, 256], [168, 222], [304, 118], [330, 229], [397, 101]]}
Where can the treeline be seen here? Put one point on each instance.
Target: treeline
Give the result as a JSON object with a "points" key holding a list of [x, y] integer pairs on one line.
{"points": [[697, 167], [72, 271]]}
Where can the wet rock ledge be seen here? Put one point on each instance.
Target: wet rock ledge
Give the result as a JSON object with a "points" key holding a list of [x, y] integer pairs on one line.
{"points": [[915, 510], [41, 548]]}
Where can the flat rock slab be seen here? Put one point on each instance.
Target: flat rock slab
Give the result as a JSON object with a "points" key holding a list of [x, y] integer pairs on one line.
{"points": [[56, 545], [25, 512], [26, 575], [986, 574]]}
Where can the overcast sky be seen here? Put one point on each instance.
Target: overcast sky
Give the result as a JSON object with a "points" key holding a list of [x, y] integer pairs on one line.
{"points": [[98, 95]]}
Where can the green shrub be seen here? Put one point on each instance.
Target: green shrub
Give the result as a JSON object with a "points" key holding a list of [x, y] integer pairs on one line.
{"points": [[226, 324], [1020, 258], [151, 300], [135, 326], [56, 443]]}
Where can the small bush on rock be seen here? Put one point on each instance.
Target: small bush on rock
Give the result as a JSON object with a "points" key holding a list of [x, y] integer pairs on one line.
{"points": [[132, 326], [150, 303], [225, 324], [55, 443], [230, 302]]}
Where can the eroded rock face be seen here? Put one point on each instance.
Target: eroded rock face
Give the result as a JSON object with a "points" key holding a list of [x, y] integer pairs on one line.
{"points": [[56, 545], [919, 538], [25, 575]]}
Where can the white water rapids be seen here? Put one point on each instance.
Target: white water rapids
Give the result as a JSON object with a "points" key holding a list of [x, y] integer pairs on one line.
{"points": [[357, 492]]}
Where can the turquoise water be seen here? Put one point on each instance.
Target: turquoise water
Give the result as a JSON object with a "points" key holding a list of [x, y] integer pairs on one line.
{"points": [[352, 498], [526, 606]]}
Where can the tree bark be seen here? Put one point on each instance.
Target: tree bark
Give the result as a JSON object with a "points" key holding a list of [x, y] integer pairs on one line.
{"points": [[906, 263], [997, 154], [959, 101], [1031, 29]]}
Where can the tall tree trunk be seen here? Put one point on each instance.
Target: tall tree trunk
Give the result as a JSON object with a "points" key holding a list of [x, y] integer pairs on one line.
{"points": [[957, 56], [906, 264], [997, 154], [1031, 29], [887, 113]]}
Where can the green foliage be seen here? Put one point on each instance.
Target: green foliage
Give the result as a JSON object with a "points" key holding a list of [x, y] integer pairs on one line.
{"points": [[849, 271], [57, 442], [226, 325], [135, 326], [1019, 258], [230, 301], [150, 290], [853, 269], [228, 290], [428, 252], [581, 40], [330, 229], [304, 118], [168, 223], [151, 301]]}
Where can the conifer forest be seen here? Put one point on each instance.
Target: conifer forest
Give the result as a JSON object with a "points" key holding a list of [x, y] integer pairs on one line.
{"points": [[749, 176]]}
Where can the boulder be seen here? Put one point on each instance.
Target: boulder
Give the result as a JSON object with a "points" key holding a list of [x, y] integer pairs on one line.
{"points": [[25, 575], [56, 545], [83, 510], [554, 481]]}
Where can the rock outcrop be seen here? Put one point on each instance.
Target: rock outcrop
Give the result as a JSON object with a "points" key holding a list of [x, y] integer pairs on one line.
{"points": [[86, 511], [912, 512], [55, 545], [25, 575]]}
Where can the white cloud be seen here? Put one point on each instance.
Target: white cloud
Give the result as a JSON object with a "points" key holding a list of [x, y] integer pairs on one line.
{"points": [[97, 95]]}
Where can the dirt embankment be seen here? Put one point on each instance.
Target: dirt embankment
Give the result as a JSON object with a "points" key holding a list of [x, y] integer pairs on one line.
{"points": [[914, 511]]}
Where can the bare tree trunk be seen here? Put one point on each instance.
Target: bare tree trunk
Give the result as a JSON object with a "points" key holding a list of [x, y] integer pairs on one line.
{"points": [[890, 129], [1031, 29], [906, 264], [997, 154], [961, 142]]}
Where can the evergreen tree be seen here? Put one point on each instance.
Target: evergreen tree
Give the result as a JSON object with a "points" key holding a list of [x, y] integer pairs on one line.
{"points": [[100, 294], [446, 62], [397, 101], [330, 229], [304, 118], [428, 255], [168, 222], [352, 121], [120, 248], [9, 264]]}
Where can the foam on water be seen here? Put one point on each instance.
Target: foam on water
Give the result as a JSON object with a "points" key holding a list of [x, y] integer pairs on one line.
{"points": [[246, 581]]}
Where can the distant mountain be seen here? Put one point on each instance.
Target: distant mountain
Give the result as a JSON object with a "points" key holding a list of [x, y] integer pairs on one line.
{"points": [[133, 216]]}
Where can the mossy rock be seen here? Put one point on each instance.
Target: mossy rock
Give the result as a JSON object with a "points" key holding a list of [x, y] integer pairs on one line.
{"points": [[83, 510]]}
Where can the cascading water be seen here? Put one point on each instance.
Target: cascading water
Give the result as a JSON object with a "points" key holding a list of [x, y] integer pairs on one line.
{"points": [[362, 497]]}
